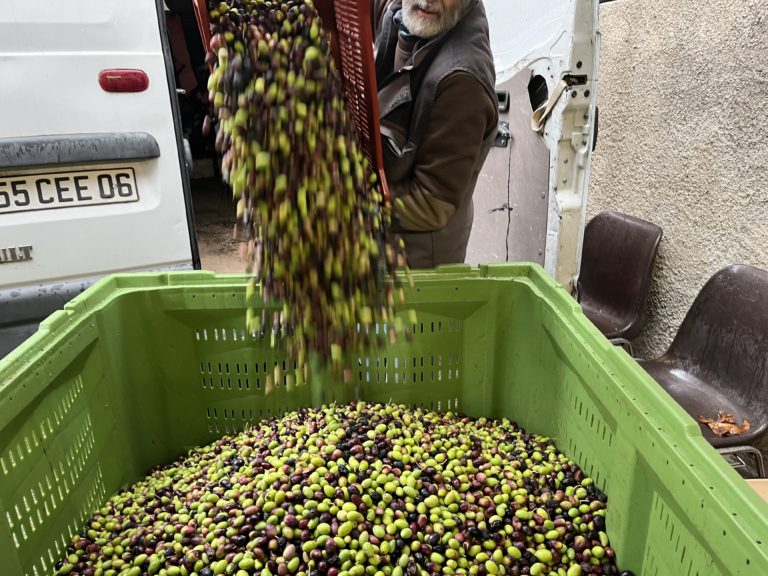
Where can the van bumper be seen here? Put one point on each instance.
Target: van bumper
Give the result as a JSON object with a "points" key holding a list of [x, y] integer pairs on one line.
{"points": [[23, 308]]}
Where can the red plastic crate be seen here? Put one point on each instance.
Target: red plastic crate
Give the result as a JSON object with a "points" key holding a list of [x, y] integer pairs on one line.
{"points": [[203, 22], [349, 24]]}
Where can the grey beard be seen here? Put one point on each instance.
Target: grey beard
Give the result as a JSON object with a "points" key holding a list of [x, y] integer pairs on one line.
{"points": [[428, 29]]}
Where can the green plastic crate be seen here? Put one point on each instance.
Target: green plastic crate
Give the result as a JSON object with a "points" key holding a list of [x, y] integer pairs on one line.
{"points": [[142, 367]]}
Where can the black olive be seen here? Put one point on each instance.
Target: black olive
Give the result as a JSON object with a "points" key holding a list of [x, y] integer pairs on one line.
{"points": [[529, 557], [599, 523]]}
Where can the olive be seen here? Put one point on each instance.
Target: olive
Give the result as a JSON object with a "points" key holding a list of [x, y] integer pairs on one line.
{"points": [[599, 523]]}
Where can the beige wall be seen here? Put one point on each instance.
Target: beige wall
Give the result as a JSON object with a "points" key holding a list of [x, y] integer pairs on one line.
{"points": [[683, 140]]}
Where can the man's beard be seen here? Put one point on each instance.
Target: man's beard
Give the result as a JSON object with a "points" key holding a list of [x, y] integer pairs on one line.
{"points": [[426, 27]]}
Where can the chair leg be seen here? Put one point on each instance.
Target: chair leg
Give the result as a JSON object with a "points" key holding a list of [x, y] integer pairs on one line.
{"points": [[754, 452], [624, 343]]}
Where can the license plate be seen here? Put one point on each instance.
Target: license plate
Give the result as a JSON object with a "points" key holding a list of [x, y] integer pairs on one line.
{"points": [[50, 190]]}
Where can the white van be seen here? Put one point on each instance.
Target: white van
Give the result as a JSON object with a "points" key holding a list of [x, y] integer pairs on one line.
{"points": [[93, 172]]}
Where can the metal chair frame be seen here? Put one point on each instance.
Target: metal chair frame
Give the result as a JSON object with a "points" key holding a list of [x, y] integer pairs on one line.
{"points": [[750, 450]]}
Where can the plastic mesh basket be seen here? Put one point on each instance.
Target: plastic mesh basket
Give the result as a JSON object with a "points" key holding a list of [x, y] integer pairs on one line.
{"points": [[203, 23], [141, 367], [349, 22]]}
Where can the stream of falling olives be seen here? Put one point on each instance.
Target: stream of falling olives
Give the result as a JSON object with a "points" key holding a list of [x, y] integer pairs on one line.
{"points": [[308, 201], [356, 490]]}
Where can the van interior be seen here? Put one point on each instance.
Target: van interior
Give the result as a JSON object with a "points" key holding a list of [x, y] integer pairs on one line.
{"points": [[213, 207]]}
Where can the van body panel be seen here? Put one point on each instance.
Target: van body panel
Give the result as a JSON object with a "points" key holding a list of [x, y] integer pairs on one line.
{"points": [[91, 182]]}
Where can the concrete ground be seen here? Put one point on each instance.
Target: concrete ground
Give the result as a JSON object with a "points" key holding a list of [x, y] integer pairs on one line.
{"points": [[214, 223]]}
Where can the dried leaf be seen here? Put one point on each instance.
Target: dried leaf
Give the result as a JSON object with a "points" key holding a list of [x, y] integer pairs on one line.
{"points": [[725, 425]]}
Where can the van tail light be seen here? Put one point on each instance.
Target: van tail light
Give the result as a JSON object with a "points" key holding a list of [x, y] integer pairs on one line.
{"points": [[123, 80]]}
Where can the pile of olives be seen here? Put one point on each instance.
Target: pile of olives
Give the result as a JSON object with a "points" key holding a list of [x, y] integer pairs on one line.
{"points": [[356, 490]]}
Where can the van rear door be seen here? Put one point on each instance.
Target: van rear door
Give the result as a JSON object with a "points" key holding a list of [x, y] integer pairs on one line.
{"points": [[93, 178], [531, 197]]}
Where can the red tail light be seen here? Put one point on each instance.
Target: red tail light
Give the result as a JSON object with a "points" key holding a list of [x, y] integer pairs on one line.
{"points": [[123, 80]]}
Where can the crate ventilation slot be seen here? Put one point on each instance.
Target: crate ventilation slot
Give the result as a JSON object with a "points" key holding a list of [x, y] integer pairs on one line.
{"points": [[39, 505], [409, 370], [25, 448], [451, 404], [221, 334], [595, 422], [96, 495], [682, 549], [236, 420], [231, 376], [240, 335]]}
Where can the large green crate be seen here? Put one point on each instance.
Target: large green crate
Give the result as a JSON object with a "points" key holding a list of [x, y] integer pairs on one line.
{"points": [[142, 367]]}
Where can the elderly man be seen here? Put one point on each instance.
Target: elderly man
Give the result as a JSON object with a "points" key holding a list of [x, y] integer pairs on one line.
{"points": [[439, 116]]}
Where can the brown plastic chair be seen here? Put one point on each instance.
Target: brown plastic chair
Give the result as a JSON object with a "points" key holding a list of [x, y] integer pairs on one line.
{"points": [[616, 268], [718, 360]]}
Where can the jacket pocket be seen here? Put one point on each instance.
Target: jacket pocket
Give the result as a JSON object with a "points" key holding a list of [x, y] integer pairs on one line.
{"points": [[396, 140], [399, 154]]}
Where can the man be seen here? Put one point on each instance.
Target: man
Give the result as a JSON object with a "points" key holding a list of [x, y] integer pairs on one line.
{"points": [[439, 116]]}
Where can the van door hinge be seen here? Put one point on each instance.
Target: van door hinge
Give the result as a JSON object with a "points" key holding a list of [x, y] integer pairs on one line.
{"points": [[503, 135]]}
